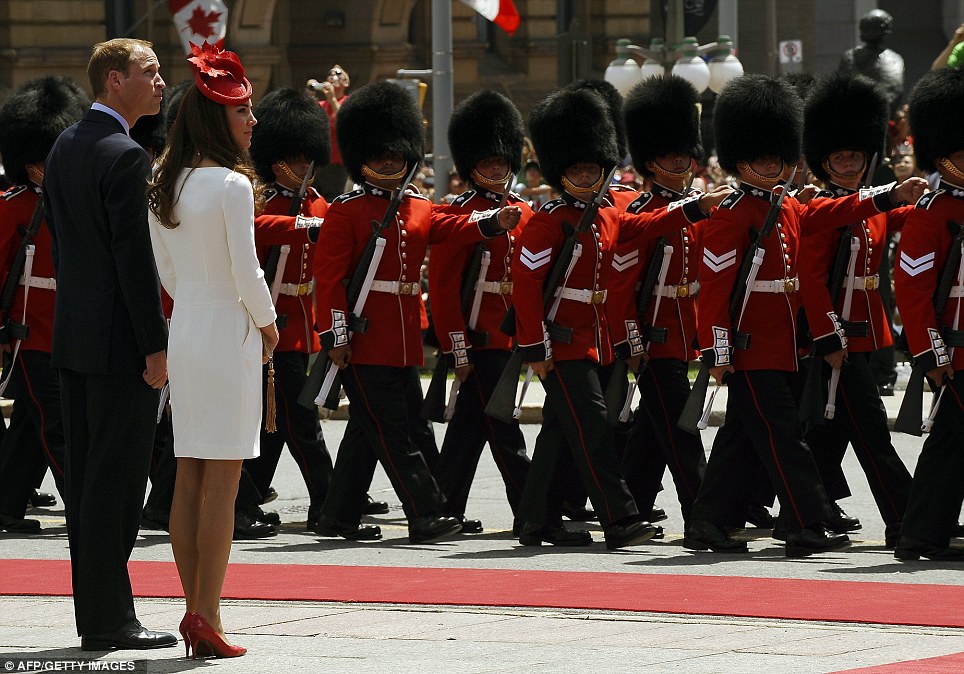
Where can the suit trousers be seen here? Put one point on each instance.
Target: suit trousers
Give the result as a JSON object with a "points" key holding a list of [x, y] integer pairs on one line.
{"points": [[36, 436], [860, 420], [298, 427], [575, 424], [109, 425], [379, 429], [761, 425], [937, 491], [468, 431]]}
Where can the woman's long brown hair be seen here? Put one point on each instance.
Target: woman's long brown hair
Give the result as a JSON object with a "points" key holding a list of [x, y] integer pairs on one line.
{"points": [[200, 130]]}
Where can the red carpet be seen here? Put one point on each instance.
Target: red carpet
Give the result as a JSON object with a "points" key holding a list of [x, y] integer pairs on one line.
{"points": [[940, 665], [794, 599]]}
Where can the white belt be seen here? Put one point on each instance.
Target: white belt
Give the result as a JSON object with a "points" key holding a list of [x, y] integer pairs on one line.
{"points": [[584, 295], [673, 292], [397, 288], [497, 287], [40, 282], [957, 291], [297, 289], [865, 282], [781, 285]]}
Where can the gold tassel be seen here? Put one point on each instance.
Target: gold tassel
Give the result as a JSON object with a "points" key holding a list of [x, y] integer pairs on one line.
{"points": [[271, 410]]}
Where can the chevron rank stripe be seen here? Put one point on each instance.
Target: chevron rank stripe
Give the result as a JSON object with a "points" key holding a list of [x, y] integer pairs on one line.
{"points": [[624, 262], [914, 266], [718, 263], [535, 260]]}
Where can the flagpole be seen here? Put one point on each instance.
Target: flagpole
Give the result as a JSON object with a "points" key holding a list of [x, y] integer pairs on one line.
{"points": [[443, 99]]}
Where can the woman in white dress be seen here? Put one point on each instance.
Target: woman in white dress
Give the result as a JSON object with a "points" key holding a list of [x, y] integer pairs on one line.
{"points": [[222, 328]]}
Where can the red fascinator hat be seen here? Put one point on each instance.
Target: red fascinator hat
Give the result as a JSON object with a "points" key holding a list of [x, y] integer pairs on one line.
{"points": [[219, 74]]}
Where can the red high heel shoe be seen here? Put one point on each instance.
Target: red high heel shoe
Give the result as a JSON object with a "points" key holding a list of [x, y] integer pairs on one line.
{"points": [[200, 634], [186, 622]]}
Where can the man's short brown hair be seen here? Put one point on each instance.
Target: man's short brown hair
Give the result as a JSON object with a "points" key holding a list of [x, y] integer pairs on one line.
{"points": [[114, 54]]}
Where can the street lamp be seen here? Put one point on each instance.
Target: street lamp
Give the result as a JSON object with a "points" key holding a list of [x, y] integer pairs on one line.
{"points": [[685, 61]]}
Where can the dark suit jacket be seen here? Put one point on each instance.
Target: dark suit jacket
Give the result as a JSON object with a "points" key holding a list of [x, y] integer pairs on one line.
{"points": [[108, 314]]}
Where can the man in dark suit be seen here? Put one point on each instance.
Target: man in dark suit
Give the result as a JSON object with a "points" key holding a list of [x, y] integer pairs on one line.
{"points": [[109, 336]]}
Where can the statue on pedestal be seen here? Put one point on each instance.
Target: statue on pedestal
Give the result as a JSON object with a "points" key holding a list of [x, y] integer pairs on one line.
{"points": [[873, 59]]}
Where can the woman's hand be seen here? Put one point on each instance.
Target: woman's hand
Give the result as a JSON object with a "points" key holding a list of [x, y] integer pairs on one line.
{"points": [[269, 338]]}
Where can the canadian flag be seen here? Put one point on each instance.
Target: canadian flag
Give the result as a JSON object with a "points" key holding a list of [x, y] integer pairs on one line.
{"points": [[501, 12], [199, 21]]}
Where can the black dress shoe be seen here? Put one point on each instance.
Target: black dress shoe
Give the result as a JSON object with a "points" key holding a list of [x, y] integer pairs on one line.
{"points": [[256, 513], [759, 516], [247, 528], [269, 496], [553, 535], [891, 535], [313, 513], [911, 549], [41, 499], [657, 514], [155, 518], [886, 390], [430, 529], [957, 531], [814, 539], [470, 526], [352, 532], [578, 513], [375, 507], [19, 526], [133, 636], [624, 535], [703, 535], [841, 522]]}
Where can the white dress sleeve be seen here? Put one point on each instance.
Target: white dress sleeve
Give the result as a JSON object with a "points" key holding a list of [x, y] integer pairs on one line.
{"points": [[162, 256], [238, 207]]}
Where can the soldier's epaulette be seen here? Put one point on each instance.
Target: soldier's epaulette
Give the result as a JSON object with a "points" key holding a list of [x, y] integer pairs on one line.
{"points": [[13, 191], [825, 193], [464, 197], [640, 202], [315, 193], [269, 194], [617, 187], [732, 200], [413, 192], [928, 199], [552, 205], [348, 196]]}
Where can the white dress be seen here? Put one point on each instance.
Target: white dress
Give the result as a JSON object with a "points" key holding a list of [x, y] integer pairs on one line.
{"points": [[208, 264]]}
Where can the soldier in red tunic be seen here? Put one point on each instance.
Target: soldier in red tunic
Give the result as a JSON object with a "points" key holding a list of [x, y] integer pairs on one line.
{"points": [[930, 251], [30, 121], [758, 124], [845, 119]]}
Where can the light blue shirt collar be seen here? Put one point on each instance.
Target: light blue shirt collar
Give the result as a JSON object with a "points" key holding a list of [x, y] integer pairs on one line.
{"points": [[113, 113]]}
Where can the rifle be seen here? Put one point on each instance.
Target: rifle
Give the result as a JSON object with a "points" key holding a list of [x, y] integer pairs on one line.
{"points": [[278, 255], [694, 414], [911, 409], [322, 376], [502, 403]]}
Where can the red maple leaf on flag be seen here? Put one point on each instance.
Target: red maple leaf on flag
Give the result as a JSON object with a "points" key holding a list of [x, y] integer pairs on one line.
{"points": [[201, 22]]}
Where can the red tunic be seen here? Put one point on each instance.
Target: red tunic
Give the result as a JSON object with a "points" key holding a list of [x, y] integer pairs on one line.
{"points": [[921, 256], [770, 317], [16, 210], [816, 262], [394, 320], [540, 243], [274, 227], [448, 266]]}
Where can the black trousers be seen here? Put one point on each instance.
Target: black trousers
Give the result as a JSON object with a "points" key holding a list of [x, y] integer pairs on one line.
{"points": [[937, 491], [35, 439], [298, 428], [655, 441], [575, 422], [761, 424], [468, 431], [860, 420], [163, 465], [379, 429], [109, 425]]}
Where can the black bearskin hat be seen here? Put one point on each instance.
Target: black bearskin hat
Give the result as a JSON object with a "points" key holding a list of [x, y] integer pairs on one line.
{"points": [[290, 123], [614, 101], [378, 118], [756, 116], [570, 127], [935, 116], [843, 112], [486, 124], [801, 82], [31, 119], [662, 118], [150, 131], [172, 101]]}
